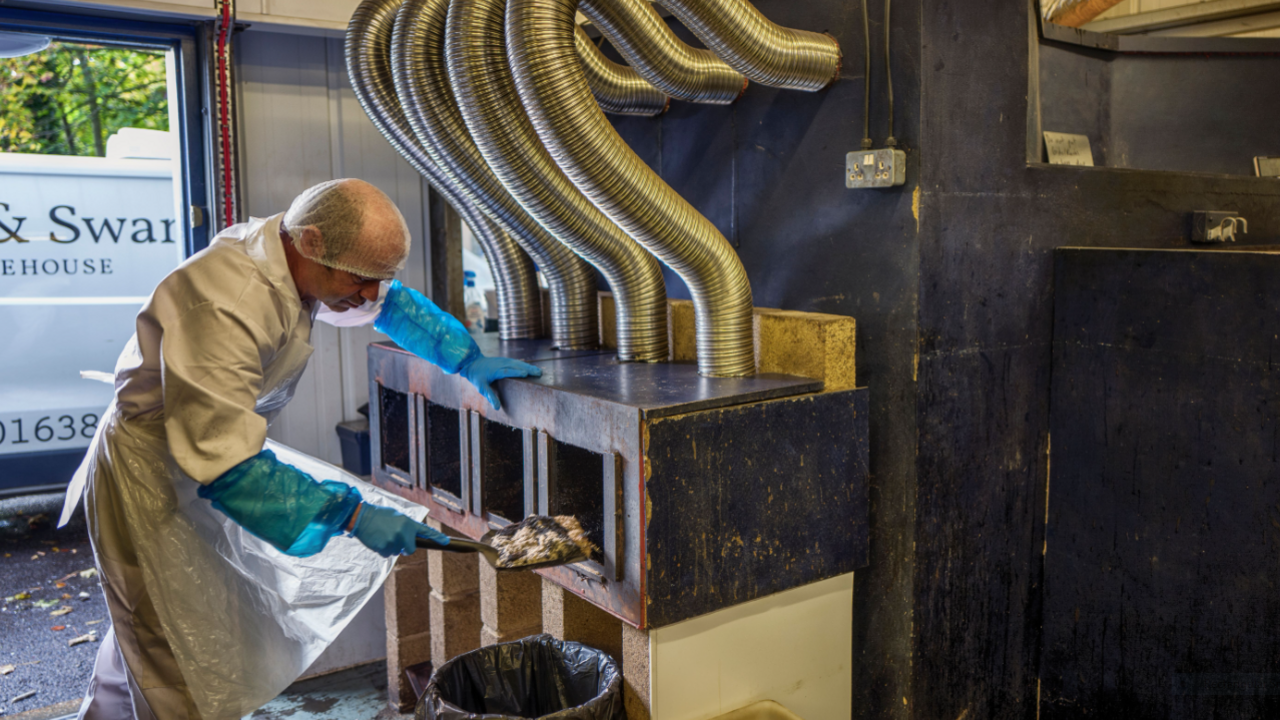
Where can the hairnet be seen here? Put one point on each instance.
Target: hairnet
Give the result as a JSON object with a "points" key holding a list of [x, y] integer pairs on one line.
{"points": [[361, 230]]}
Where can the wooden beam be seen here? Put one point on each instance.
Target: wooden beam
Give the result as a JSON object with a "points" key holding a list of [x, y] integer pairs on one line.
{"points": [[1179, 16]]}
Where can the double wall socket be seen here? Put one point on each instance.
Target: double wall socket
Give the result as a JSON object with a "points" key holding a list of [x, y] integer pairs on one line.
{"points": [[885, 167], [1214, 226]]}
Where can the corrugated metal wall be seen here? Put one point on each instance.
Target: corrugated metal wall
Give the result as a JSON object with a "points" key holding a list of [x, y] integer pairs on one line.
{"points": [[301, 125]]}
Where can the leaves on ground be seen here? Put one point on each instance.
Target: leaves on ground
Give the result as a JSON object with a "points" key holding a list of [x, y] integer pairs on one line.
{"points": [[58, 628], [19, 596], [23, 696], [44, 604], [91, 572], [87, 637], [6, 669], [62, 611]]}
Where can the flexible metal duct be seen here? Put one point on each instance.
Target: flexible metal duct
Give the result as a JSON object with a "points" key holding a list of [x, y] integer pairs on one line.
{"points": [[643, 39], [423, 88], [422, 80], [618, 88], [758, 48], [504, 137], [551, 84], [518, 295]]}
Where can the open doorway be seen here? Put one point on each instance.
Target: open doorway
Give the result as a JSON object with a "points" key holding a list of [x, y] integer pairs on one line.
{"points": [[99, 171]]}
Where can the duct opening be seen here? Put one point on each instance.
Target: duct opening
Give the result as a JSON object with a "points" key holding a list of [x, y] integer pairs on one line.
{"points": [[396, 440], [444, 452], [502, 470], [575, 478]]}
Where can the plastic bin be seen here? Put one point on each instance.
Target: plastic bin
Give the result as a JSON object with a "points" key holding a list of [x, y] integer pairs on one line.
{"points": [[763, 710], [353, 436], [529, 678]]}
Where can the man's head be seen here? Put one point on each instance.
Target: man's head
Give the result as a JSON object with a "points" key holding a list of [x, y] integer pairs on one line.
{"points": [[348, 236]]}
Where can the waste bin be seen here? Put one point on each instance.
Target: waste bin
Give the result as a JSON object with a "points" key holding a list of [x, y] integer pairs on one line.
{"points": [[528, 678]]}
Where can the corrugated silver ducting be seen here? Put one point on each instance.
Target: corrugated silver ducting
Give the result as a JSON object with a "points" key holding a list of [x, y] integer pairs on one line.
{"points": [[643, 39], [549, 78], [367, 49], [758, 48], [618, 88], [477, 68], [421, 82]]}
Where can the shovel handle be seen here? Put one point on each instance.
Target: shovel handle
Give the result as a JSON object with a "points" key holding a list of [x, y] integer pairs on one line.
{"points": [[457, 545]]}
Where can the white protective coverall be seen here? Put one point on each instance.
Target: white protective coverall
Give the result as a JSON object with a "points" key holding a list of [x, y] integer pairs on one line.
{"points": [[210, 621]]}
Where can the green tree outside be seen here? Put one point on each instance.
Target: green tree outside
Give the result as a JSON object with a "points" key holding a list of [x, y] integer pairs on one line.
{"points": [[70, 97]]}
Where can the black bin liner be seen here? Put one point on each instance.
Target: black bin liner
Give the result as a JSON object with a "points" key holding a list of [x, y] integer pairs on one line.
{"points": [[536, 677]]}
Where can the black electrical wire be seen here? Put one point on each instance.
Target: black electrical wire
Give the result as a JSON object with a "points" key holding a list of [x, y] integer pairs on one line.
{"points": [[888, 73], [866, 78]]}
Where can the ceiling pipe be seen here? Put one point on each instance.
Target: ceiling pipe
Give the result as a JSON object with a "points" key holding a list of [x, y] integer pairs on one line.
{"points": [[759, 48], [551, 84], [618, 88], [475, 54], [636, 30], [421, 81], [516, 284]]}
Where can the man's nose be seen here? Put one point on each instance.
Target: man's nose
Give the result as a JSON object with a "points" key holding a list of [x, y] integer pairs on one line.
{"points": [[370, 291]]}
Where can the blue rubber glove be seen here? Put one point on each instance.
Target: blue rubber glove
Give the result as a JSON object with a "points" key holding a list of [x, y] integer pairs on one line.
{"points": [[419, 326], [283, 505], [388, 532], [484, 371]]}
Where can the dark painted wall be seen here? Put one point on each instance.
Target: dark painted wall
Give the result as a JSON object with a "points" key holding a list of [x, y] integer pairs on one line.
{"points": [[769, 172], [954, 309]]}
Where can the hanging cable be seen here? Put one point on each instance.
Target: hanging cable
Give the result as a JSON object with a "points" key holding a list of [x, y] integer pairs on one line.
{"points": [[888, 74], [866, 78], [226, 151]]}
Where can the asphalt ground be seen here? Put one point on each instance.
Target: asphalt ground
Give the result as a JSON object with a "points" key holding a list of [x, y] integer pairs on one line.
{"points": [[34, 558]]}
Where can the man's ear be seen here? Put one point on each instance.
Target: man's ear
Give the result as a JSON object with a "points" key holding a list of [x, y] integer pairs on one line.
{"points": [[310, 242]]}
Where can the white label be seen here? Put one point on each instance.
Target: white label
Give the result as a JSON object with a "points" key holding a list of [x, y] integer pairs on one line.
{"points": [[39, 432], [1068, 149]]}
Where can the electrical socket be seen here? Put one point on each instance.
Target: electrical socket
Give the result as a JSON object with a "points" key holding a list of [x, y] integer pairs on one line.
{"points": [[1215, 226], [881, 168]]}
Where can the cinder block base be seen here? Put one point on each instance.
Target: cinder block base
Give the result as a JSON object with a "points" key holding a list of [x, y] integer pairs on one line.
{"points": [[454, 602], [568, 617], [408, 626], [635, 672], [510, 605]]}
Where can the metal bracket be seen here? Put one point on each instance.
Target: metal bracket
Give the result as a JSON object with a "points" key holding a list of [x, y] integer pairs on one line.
{"points": [[615, 527], [530, 437], [546, 472], [477, 466], [464, 456]]}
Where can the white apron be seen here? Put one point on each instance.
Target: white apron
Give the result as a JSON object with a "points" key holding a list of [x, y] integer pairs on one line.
{"points": [[241, 619]]}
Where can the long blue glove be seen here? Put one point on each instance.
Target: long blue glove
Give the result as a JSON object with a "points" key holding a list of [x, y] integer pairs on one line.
{"points": [[283, 505], [419, 326], [388, 532]]}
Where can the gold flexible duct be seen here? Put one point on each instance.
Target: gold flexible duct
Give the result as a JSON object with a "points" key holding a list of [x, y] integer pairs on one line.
{"points": [[516, 284], [422, 80], [417, 68], [618, 88], [758, 48], [505, 140], [642, 37], [554, 91]]}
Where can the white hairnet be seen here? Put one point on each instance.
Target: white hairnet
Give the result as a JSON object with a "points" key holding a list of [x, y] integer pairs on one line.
{"points": [[361, 230]]}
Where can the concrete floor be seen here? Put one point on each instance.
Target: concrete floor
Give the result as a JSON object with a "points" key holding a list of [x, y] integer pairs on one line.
{"points": [[59, 674], [359, 693]]}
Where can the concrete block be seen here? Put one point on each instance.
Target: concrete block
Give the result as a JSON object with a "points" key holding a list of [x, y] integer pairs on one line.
{"points": [[568, 617], [401, 653], [490, 637], [510, 600], [681, 324], [608, 321], [451, 574], [407, 591], [813, 345], [455, 626], [635, 672]]}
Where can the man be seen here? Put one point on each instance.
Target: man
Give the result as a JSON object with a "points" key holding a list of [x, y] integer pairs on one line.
{"points": [[212, 550]]}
